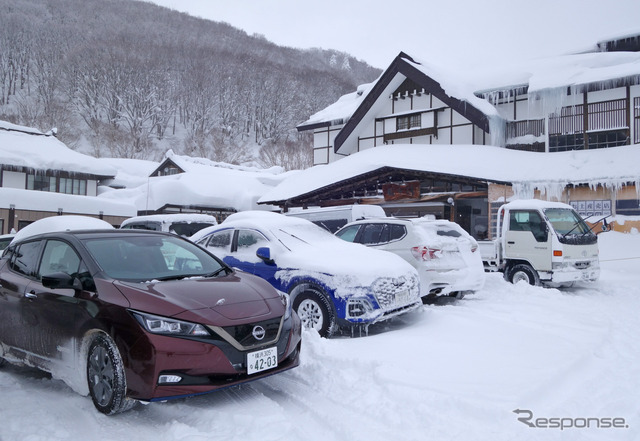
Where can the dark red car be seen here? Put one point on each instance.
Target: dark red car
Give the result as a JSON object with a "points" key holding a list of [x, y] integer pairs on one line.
{"points": [[128, 315]]}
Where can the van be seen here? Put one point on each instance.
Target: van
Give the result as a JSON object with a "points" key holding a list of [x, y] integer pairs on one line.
{"points": [[334, 218], [182, 224]]}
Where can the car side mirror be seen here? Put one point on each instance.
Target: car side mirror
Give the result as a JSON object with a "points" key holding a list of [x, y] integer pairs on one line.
{"points": [[264, 253], [61, 281]]}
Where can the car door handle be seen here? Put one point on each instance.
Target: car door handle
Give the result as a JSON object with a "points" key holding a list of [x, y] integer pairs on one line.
{"points": [[31, 295], [510, 242]]}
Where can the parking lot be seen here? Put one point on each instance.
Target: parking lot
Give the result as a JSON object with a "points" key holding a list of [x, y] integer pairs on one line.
{"points": [[444, 372]]}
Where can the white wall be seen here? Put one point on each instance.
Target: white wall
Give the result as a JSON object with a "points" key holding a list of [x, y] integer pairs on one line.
{"points": [[92, 187], [12, 179]]}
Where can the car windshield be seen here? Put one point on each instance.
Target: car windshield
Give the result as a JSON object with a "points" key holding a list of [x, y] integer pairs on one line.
{"points": [[566, 221], [294, 236], [151, 257]]}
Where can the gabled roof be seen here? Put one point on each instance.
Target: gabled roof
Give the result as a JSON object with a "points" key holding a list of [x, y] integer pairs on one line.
{"points": [[464, 102], [403, 64]]}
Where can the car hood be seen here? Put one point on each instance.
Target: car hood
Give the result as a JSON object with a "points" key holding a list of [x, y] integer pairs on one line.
{"points": [[219, 301]]}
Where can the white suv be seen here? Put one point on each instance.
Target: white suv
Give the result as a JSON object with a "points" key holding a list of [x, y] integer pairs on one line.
{"points": [[446, 257]]}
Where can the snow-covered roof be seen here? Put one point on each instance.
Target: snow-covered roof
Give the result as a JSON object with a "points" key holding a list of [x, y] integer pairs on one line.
{"points": [[340, 111], [204, 183], [548, 172], [129, 172], [26, 147], [557, 72], [537, 75], [50, 201], [188, 163]]}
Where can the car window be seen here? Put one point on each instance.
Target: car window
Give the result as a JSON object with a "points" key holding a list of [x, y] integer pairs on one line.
{"points": [[449, 232], [250, 240], [25, 258], [146, 225], [396, 232], [151, 257], [58, 257], [374, 234], [349, 233], [220, 241], [187, 228]]}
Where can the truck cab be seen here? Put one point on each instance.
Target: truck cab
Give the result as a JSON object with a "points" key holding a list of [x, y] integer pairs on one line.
{"points": [[542, 242]]}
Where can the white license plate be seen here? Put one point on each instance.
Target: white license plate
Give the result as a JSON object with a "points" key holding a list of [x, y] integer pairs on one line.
{"points": [[402, 298], [262, 360]]}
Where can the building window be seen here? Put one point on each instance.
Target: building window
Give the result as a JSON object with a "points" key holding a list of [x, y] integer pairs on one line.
{"points": [[168, 170], [73, 186], [409, 122], [636, 119], [41, 183]]}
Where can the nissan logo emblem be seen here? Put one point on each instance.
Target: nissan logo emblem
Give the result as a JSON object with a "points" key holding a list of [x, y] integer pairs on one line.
{"points": [[258, 332]]}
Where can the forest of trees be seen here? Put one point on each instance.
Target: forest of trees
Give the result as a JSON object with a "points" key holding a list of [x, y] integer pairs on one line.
{"points": [[128, 79]]}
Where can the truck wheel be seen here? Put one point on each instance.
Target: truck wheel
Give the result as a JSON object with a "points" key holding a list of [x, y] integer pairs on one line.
{"points": [[523, 272]]}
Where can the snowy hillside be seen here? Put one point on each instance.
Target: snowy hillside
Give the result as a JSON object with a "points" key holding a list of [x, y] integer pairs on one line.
{"points": [[454, 372]]}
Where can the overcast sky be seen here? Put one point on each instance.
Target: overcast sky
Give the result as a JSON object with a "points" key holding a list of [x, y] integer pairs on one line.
{"points": [[459, 33]]}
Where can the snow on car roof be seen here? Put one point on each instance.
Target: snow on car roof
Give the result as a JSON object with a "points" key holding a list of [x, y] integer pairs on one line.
{"points": [[311, 249], [177, 217], [61, 223]]}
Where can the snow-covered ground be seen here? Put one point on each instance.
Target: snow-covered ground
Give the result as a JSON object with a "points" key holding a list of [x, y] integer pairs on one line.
{"points": [[454, 372]]}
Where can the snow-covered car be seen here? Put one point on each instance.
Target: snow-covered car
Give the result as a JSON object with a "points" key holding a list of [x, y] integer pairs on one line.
{"points": [[5, 240], [110, 313], [333, 284], [182, 224], [446, 256]]}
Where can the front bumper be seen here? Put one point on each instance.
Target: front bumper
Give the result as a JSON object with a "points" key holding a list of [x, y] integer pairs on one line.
{"points": [[573, 271], [202, 365]]}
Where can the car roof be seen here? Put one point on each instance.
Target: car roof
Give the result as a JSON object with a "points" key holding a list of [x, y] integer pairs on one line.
{"points": [[89, 233]]}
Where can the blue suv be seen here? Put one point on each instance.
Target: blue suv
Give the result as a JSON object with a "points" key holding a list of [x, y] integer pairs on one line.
{"points": [[333, 284]]}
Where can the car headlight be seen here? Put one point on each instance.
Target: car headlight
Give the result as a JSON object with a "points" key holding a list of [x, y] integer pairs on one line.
{"points": [[286, 301], [167, 326]]}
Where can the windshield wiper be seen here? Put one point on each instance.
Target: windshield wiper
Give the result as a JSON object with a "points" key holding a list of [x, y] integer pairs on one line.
{"points": [[596, 223], [218, 271], [186, 276]]}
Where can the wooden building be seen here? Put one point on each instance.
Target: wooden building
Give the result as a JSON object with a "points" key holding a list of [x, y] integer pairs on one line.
{"points": [[572, 103]]}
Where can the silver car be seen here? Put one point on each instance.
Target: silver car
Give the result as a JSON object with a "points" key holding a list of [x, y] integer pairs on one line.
{"points": [[446, 257]]}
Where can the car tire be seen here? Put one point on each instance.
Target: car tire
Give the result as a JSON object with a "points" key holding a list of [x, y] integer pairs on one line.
{"points": [[314, 310], [523, 272], [105, 376]]}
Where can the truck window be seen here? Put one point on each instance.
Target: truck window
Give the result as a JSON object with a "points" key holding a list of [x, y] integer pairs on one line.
{"points": [[528, 220]]}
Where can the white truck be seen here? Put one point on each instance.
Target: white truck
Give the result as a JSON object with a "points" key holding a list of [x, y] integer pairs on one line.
{"points": [[542, 242]]}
